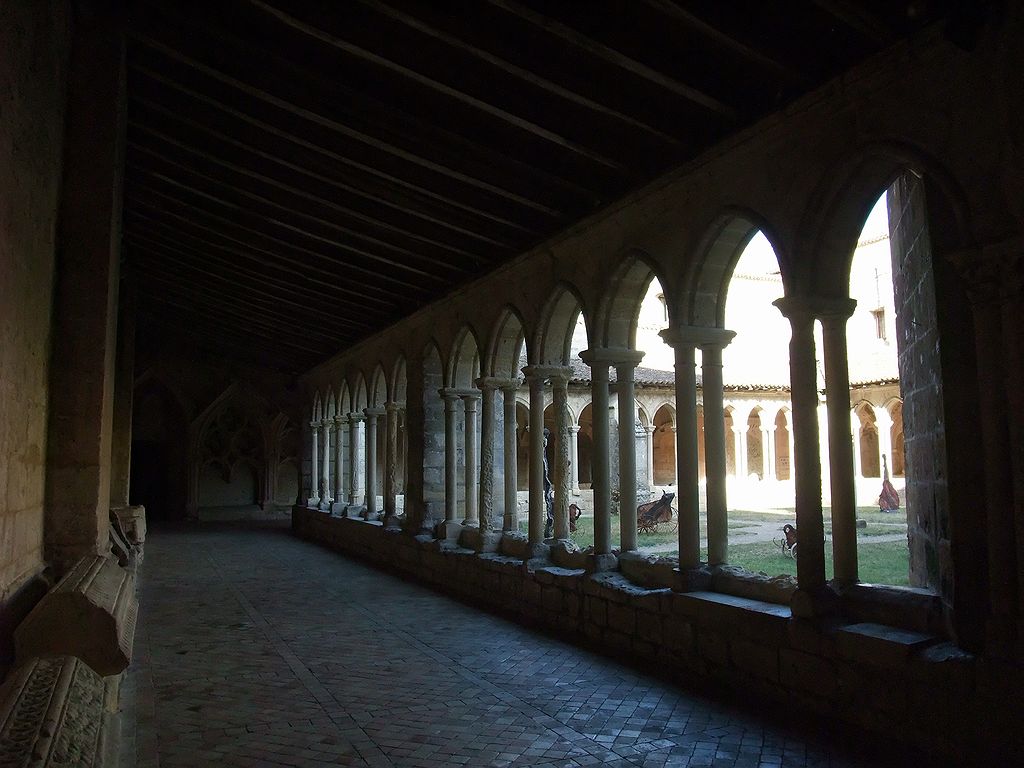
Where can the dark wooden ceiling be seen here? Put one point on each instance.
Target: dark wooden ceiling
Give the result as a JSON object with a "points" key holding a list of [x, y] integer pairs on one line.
{"points": [[302, 173]]}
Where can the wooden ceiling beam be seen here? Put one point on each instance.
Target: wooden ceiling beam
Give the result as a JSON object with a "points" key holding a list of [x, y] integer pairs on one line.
{"points": [[606, 53], [291, 212], [177, 242], [422, 80], [516, 71], [858, 18], [293, 138], [725, 40], [247, 148], [181, 260], [248, 251], [334, 125], [374, 273], [209, 158]]}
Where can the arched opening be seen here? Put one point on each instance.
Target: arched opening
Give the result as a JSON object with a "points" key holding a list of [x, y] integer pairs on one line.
{"points": [[664, 446], [585, 446], [867, 440], [756, 464], [523, 447], [783, 441], [159, 462], [433, 437], [398, 396]]}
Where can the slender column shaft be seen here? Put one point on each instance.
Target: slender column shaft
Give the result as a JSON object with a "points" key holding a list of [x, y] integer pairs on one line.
{"points": [[767, 453], [354, 476], [328, 494], [560, 397], [339, 461], [627, 456], [314, 470], [538, 509], [372, 415], [510, 521], [574, 459], [858, 462], [600, 469], [451, 462], [687, 468], [840, 447], [714, 452], [741, 451], [650, 457], [486, 498], [472, 467], [810, 564], [883, 423], [391, 459]]}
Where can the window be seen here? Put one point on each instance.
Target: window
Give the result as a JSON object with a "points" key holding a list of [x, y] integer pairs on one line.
{"points": [[879, 315]]}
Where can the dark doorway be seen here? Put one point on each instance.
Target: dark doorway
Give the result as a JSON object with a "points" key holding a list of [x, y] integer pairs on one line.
{"points": [[149, 479]]}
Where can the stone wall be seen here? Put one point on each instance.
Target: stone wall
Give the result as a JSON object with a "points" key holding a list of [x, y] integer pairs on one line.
{"points": [[32, 104], [904, 683]]}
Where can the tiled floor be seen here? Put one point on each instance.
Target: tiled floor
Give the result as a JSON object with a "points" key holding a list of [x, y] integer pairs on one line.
{"points": [[257, 649]]}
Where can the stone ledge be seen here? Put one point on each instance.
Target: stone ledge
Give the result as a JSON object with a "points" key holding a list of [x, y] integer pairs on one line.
{"points": [[90, 614], [52, 713], [744, 616], [880, 645], [917, 610]]}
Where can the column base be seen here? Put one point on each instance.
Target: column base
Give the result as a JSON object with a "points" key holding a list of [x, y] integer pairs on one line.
{"points": [[325, 505], [480, 540], [133, 521], [392, 522], [692, 579], [448, 530], [313, 502], [808, 604], [353, 510], [338, 508], [368, 515], [601, 563]]}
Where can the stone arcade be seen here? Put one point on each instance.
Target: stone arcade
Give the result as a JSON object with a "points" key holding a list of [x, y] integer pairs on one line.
{"points": [[261, 262]]}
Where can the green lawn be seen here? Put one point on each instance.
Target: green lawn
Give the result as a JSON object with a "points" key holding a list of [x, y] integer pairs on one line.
{"points": [[879, 562]]}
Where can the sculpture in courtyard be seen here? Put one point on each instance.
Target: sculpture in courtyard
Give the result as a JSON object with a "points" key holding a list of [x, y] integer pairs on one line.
{"points": [[653, 513], [575, 513], [889, 498], [788, 543], [549, 490]]}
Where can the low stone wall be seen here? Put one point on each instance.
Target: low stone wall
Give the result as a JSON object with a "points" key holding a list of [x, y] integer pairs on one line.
{"points": [[907, 685]]}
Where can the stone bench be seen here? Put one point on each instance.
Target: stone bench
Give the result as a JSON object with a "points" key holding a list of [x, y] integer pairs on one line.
{"points": [[52, 713], [90, 614]]}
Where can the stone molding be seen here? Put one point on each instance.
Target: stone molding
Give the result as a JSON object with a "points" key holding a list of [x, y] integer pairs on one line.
{"points": [[90, 614]]}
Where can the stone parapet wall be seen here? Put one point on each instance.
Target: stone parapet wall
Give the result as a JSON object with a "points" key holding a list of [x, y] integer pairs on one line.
{"points": [[902, 684]]}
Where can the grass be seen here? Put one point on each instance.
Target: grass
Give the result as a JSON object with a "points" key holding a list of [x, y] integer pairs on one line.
{"points": [[880, 562]]}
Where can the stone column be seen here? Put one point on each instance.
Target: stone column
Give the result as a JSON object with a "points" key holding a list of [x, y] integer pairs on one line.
{"points": [[124, 388], [487, 386], [810, 564], [574, 458], [649, 429], [739, 435], [314, 468], [510, 520], [372, 415], [627, 450], [600, 469], [767, 453], [327, 496], [83, 333], [883, 423], [450, 528], [858, 463], [340, 423], [840, 440], [687, 466], [538, 508], [562, 452], [470, 399], [391, 461], [354, 475], [715, 340]]}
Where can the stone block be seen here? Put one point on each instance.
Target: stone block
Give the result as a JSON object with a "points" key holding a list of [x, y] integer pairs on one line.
{"points": [[732, 580], [755, 619], [713, 648], [133, 522], [596, 611], [551, 599], [51, 714], [808, 673], [754, 658], [89, 614], [678, 634], [649, 626], [647, 571], [880, 645], [622, 618]]}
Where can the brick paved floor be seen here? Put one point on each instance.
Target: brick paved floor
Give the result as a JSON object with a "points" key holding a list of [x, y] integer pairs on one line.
{"points": [[258, 649]]}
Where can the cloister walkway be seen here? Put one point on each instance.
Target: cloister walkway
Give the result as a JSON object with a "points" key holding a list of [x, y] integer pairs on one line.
{"points": [[257, 649]]}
